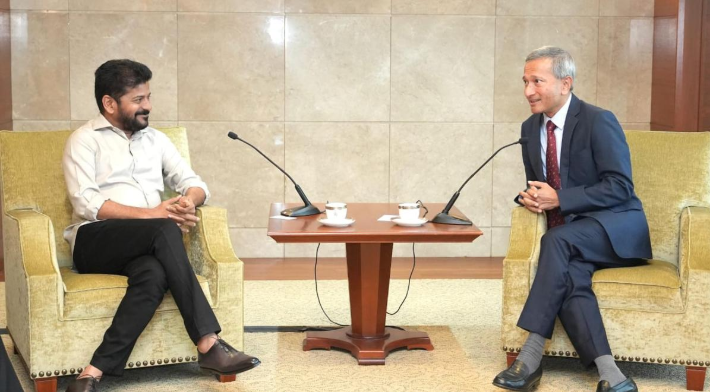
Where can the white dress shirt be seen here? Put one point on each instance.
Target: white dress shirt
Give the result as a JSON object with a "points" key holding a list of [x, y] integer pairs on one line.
{"points": [[559, 120], [100, 163]]}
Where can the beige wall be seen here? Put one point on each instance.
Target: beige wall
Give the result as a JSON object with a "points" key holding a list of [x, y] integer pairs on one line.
{"points": [[361, 100]]}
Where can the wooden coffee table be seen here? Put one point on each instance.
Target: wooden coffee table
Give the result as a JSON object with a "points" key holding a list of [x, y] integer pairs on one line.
{"points": [[368, 246]]}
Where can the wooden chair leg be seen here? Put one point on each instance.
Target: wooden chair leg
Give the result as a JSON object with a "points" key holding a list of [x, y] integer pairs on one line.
{"points": [[510, 357], [227, 378], [46, 384], [695, 378]]}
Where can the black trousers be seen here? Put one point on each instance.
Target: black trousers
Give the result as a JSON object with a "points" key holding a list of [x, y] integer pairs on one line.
{"points": [[569, 256], [150, 252]]}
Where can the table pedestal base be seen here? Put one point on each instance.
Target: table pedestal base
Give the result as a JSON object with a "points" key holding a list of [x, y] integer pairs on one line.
{"points": [[368, 351]]}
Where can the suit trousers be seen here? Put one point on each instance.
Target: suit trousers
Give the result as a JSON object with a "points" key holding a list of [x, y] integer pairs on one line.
{"points": [[150, 252], [569, 256]]}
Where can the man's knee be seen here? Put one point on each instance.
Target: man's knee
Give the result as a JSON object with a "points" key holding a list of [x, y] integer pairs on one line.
{"points": [[554, 237], [149, 273], [555, 250], [580, 274], [168, 229]]}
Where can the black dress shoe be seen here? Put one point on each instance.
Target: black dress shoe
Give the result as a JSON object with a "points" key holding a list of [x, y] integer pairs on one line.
{"points": [[627, 385], [518, 377], [224, 359], [84, 384]]}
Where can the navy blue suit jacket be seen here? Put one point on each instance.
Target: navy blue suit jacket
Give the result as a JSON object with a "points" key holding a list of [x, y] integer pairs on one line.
{"points": [[595, 169]]}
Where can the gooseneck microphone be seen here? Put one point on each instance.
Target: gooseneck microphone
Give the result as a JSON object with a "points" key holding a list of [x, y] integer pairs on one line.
{"points": [[307, 208], [443, 216]]}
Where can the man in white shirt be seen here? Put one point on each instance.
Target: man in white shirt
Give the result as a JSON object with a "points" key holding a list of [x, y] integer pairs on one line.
{"points": [[115, 167]]}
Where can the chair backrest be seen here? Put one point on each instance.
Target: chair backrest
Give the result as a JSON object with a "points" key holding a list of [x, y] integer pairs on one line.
{"points": [[32, 176], [671, 170]]}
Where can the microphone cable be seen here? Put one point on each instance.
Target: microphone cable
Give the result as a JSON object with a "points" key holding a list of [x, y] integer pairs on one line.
{"points": [[315, 275], [409, 283]]}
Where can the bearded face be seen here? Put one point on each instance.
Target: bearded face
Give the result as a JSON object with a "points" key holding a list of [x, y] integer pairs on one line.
{"points": [[130, 112], [133, 120]]}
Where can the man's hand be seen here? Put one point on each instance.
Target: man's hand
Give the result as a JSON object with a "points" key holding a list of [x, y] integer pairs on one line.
{"points": [[529, 200], [544, 196], [182, 212], [162, 209], [184, 205]]}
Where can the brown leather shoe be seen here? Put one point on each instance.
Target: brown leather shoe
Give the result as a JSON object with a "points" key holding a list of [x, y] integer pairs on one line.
{"points": [[225, 359], [84, 384]]}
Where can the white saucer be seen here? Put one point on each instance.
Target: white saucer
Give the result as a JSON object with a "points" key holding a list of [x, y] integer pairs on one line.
{"points": [[337, 222], [410, 223]]}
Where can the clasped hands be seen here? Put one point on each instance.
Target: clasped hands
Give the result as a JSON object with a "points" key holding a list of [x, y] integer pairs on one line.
{"points": [[181, 210], [539, 196]]}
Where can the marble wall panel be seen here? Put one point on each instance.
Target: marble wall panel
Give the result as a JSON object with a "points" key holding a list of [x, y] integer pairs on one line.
{"points": [[239, 179], [437, 74], [347, 162], [253, 242], [338, 6], [547, 8], [40, 66], [444, 7], [625, 65], [44, 5], [429, 162], [337, 68], [236, 79], [270, 6], [123, 5], [517, 37], [626, 7], [146, 37]]}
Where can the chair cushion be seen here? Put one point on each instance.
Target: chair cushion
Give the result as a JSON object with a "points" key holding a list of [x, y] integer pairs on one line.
{"points": [[88, 296], [654, 288]]}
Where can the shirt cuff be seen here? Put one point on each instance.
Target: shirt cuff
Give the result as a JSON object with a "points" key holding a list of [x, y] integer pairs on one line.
{"points": [[92, 209], [202, 186]]}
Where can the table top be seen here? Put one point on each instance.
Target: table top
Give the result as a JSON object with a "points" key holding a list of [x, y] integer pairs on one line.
{"points": [[366, 228]]}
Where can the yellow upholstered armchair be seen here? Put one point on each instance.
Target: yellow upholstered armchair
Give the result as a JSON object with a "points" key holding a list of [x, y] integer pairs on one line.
{"points": [[656, 313], [57, 317]]}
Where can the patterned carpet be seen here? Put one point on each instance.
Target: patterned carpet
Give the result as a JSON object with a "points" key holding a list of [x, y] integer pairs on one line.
{"points": [[462, 318]]}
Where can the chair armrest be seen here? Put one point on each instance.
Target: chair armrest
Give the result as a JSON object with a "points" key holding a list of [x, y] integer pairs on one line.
{"points": [[33, 285], [694, 240], [519, 267], [210, 251], [520, 263], [526, 229], [31, 233]]}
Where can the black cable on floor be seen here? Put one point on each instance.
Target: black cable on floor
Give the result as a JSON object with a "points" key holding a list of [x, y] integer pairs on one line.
{"points": [[414, 264], [284, 328], [409, 283], [315, 274]]}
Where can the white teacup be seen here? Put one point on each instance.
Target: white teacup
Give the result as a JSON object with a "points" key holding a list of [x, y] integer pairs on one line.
{"points": [[409, 211], [336, 211]]}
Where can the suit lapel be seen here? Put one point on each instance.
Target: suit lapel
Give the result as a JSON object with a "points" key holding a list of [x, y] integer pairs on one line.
{"points": [[570, 125], [534, 148]]}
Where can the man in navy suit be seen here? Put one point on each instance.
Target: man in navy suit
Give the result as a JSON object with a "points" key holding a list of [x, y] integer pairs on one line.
{"points": [[578, 168]]}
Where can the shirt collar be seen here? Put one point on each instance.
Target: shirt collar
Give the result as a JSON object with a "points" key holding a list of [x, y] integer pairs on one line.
{"points": [[100, 122], [559, 118]]}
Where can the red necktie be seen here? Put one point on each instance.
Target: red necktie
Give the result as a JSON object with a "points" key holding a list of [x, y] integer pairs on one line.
{"points": [[554, 217]]}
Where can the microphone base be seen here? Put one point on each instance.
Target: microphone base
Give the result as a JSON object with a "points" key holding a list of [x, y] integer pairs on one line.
{"points": [[451, 220], [306, 210]]}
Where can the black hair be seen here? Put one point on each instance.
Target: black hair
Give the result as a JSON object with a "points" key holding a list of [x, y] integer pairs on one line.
{"points": [[115, 77]]}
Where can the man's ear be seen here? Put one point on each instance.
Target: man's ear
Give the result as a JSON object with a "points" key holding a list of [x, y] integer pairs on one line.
{"points": [[566, 85], [110, 104]]}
